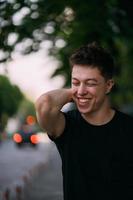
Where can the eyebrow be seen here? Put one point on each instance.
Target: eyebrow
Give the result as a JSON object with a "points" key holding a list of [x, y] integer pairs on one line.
{"points": [[89, 79]]}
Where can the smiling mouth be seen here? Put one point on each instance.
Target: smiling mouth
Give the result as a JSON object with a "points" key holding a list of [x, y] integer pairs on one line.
{"points": [[83, 101]]}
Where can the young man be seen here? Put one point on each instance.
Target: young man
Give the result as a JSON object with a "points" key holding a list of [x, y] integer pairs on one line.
{"points": [[94, 141]]}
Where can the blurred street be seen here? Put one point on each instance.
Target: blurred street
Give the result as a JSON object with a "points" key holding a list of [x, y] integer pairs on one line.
{"points": [[35, 172], [47, 184]]}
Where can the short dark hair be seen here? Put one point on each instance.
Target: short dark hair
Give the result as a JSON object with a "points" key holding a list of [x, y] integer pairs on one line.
{"points": [[95, 56]]}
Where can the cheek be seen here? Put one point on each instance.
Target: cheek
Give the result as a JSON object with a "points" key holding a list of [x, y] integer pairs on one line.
{"points": [[97, 93], [75, 89], [101, 95], [92, 91]]}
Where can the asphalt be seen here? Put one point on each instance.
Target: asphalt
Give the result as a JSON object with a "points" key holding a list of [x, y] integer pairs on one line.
{"points": [[45, 182]]}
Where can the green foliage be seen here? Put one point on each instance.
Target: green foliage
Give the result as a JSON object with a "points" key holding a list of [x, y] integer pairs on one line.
{"points": [[26, 108], [10, 98], [68, 24]]}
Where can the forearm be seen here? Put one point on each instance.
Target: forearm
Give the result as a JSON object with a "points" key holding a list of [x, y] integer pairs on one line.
{"points": [[48, 108], [58, 98]]}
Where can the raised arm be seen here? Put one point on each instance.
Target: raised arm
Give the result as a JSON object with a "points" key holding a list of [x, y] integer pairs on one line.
{"points": [[48, 108]]}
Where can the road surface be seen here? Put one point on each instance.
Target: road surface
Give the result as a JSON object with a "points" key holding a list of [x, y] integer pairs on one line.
{"points": [[19, 165]]}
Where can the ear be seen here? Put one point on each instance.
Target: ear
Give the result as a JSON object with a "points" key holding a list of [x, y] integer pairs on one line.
{"points": [[110, 84]]}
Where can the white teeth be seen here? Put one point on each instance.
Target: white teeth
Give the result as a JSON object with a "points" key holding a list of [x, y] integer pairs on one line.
{"points": [[83, 100]]}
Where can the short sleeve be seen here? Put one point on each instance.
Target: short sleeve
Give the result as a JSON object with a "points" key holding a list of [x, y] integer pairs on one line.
{"points": [[66, 132]]}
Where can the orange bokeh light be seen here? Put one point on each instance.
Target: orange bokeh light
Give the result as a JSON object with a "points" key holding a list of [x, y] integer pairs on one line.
{"points": [[17, 138], [34, 139], [30, 120]]}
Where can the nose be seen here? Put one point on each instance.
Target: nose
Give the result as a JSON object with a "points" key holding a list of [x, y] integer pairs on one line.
{"points": [[81, 90]]}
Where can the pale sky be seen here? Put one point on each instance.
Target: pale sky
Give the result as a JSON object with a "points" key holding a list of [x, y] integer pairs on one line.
{"points": [[32, 74]]}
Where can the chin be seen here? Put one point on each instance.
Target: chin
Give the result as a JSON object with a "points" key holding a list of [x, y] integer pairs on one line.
{"points": [[84, 111]]}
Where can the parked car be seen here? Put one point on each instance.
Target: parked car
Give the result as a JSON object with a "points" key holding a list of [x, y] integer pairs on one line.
{"points": [[27, 134]]}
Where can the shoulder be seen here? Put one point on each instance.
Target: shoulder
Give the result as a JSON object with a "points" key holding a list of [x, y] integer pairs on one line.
{"points": [[124, 114], [72, 115], [124, 117], [71, 118]]}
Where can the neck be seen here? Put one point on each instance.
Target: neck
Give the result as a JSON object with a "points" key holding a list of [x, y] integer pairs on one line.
{"points": [[100, 117]]}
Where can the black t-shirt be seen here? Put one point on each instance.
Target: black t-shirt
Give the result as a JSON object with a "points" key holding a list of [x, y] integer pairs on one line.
{"points": [[97, 161]]}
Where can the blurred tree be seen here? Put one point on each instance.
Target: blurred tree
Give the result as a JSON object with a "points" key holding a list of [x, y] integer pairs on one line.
{"points": [[10, 98], [30, 25], [27, 110]]}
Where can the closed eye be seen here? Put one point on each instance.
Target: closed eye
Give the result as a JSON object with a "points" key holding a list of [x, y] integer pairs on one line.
{"points": [[75, 83], [91, 84]]}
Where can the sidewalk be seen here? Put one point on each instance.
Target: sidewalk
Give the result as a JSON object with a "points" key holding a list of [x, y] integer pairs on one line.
{"points": [[46, 182]]}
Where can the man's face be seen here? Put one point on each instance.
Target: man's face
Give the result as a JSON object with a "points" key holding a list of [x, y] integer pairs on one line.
{"points": [[90, 88]]}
